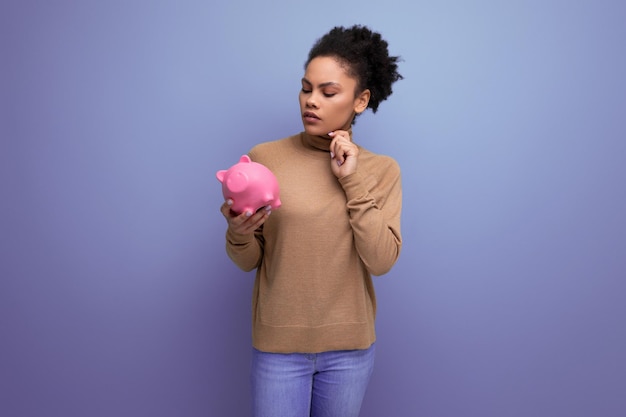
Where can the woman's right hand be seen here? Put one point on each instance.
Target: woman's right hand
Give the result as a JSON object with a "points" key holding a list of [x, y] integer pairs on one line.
{"points": [[246, 222]]}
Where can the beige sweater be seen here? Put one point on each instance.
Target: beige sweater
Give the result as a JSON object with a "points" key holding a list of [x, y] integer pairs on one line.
{"points": [[315, 254]]}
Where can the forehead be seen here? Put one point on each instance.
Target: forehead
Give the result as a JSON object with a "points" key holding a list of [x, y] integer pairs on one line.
{"points": [[324, 69]]}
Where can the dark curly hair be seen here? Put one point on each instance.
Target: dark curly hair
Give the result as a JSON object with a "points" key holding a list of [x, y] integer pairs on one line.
{"points": [[366, 57]]}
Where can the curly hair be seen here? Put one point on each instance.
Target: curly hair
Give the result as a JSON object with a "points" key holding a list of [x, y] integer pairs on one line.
{"points": [[366, 58]]}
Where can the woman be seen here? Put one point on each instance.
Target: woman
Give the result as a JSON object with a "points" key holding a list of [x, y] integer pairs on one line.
{"points": [[313, 305]]}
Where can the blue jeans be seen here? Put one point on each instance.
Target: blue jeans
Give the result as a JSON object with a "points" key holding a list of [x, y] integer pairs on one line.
{"points": [[327, 384]]}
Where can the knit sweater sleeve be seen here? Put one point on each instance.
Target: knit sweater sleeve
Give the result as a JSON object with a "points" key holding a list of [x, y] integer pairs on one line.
{"points": [[246, 251], [374, 202]]}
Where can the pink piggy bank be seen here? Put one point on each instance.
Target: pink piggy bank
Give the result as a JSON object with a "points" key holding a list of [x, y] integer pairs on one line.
{"points": [[249, 185]]}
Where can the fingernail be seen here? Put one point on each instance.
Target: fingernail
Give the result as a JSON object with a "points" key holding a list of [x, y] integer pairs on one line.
{"points": [[229, 202], [339, 162], [332, 155], [248, 213], [331, 133], [268, 208]]}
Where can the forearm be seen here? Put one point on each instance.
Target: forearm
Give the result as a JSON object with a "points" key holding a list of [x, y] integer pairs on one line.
{"points": [[245, 251], [375, 223]]}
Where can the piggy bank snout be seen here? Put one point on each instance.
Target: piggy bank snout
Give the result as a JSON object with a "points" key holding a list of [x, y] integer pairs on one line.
{"points": [[237, 182]]}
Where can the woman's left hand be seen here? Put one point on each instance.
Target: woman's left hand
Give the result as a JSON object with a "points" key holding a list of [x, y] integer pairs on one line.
{"points": [[343, 153]]}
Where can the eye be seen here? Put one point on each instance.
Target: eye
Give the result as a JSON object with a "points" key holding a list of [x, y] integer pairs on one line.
{"points": [[329, 94], [305, 91]]}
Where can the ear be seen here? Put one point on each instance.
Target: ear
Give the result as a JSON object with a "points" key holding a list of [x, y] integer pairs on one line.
{"points": [[361, 101]]}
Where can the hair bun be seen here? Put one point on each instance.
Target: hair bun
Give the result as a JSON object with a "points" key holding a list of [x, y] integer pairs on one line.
{"points": [[367, 57]]}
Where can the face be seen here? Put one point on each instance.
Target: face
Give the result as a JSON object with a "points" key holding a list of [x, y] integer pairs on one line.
{"points": [[327, 98]]}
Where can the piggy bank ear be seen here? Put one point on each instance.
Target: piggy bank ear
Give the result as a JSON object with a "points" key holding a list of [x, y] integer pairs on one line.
{"points": [[245, 158], [220, 175]]}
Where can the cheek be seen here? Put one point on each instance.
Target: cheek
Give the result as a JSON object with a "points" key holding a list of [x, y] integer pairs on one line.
{"points": [[344, 109]]}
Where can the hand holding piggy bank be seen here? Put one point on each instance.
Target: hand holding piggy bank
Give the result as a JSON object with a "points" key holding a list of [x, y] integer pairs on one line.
{"points": [[249, 185]]}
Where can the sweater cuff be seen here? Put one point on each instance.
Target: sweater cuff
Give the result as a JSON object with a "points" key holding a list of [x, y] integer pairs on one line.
{"points": [[354, 186], [237, 239]]}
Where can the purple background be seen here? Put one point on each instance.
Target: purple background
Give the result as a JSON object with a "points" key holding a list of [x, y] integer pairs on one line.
{"points": [[116, 296]]}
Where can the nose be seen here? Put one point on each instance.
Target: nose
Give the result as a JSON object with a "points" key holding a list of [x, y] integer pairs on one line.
{"points": [[311, 100]]}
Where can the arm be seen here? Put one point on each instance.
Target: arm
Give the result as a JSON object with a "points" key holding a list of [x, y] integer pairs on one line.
{"points": [[375, 212], [244, 237]]}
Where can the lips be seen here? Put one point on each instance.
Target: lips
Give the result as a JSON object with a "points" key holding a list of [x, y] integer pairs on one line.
{"points": [[310, 115]]}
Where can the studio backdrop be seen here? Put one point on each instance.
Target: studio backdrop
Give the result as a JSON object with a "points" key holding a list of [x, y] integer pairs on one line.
{"points": [[117, 298]]}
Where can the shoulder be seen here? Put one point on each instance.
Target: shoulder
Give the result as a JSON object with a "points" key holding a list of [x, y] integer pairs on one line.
{"points": [[267, 152], [378, 163]]}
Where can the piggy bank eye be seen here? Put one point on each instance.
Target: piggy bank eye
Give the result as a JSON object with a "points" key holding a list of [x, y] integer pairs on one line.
{"points": [[237, 182]]}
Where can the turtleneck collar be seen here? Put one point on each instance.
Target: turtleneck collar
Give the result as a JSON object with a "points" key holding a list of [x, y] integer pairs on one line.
{"points": [[321, 143]]}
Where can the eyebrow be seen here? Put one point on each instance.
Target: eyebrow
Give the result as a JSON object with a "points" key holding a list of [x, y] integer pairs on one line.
{"points": [[322, 85]]}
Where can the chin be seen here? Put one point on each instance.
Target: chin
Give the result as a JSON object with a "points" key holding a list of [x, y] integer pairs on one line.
{"points": [[315, 131]]}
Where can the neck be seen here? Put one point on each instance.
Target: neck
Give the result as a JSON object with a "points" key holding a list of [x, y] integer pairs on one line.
{"points": [[321, 143]]}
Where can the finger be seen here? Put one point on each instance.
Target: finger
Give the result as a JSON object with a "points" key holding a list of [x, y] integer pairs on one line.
{"points": [[343, 149], [255, 224], [249, 217], [225, 208], [250, 224], [337, 133], [334, 145], [227, 211]]}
